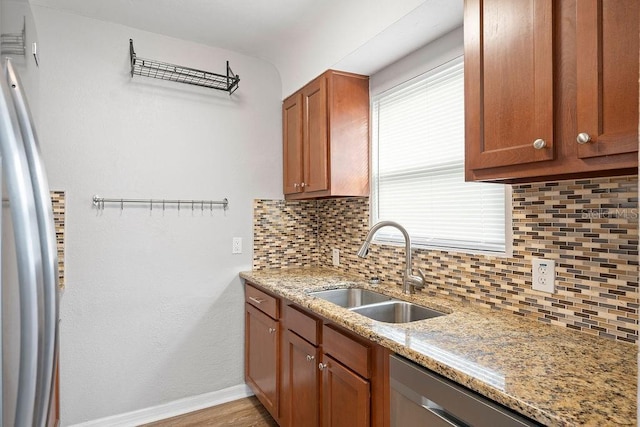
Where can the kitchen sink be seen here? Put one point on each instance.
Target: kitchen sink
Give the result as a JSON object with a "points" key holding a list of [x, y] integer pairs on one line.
{"points": [[396, 312], [353, 297], [377, 306]]}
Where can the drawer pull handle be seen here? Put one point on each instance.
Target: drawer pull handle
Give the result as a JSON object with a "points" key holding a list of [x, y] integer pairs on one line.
{"points": [[256, 300], [539, 144], [310, 358], [583, 138], [322, 366], [271, 330]]}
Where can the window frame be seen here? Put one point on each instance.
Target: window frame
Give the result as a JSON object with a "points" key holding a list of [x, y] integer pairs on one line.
{"points": [[420, 242]]}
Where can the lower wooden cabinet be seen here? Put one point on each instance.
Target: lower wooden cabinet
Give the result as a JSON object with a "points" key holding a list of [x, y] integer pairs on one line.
{"points": [[54, 411], [310, 372], [346, 397], [302, 380], [262, 351]]}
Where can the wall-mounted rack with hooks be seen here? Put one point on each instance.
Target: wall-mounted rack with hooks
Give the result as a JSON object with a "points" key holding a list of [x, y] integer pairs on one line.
{"points": [[177, 73], [14, 43], [99, 202]]}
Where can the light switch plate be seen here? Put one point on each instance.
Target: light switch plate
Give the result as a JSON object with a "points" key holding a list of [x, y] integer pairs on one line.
{"points": [[543, 275]]}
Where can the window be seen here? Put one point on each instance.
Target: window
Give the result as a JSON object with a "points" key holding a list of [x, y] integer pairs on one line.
{"points": [[418, 167]]}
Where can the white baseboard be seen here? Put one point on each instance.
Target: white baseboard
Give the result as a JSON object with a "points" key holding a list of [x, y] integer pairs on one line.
{"points": [[171, 409]]}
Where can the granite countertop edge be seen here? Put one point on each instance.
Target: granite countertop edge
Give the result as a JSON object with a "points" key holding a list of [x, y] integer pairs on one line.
{"points": [[484, 327]]}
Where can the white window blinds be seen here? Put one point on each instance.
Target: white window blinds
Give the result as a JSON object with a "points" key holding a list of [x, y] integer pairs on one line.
{"points": [[418, 167]]}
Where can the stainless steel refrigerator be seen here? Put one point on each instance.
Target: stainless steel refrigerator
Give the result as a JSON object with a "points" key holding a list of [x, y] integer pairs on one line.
{"points": [[29, 297]]}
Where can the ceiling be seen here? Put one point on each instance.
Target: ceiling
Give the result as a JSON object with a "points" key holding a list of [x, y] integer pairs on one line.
{"points": [[245, 26], [365, 35]]}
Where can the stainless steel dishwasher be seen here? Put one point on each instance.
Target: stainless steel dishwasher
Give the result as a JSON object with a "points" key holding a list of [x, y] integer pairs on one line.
{"points": [[422, 398]]}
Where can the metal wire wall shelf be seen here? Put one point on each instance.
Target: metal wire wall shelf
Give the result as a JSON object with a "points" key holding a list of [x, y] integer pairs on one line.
{"points": [[14, 43], [176, 73]]}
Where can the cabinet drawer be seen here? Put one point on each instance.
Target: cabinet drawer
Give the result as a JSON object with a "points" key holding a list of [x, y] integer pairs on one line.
{"points": [[302, 324], [262, 301], [353, 354]]}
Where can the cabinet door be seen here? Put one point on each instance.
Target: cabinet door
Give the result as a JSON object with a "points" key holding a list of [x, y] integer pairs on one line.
{"points": [[262, 365], [607, 76], [345, 396], [302, 377], [292, 135], [508, 82], [315, 136]]}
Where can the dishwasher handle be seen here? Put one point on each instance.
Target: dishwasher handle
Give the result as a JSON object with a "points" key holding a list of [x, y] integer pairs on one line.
{"points": [[439, 412], [432, 414]]}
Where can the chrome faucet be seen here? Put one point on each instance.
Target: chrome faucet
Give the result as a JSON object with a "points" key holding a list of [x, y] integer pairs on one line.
{"points": [[409, 282]]}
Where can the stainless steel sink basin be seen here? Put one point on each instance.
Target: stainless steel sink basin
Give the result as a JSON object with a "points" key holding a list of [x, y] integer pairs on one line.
{"points": [[377, 306], [396, 312], [353, 297]]}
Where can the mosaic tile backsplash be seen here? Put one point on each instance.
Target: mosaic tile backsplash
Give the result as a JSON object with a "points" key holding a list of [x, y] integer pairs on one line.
{"points": [[285, 234], [589, 227], [57, 201]]}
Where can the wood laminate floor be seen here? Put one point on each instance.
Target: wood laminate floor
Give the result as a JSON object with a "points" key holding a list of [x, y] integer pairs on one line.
{"points": [[239, 413]]}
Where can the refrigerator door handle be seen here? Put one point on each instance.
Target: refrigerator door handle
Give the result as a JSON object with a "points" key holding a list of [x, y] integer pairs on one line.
{"points": [[48, 245], [25, 229]]}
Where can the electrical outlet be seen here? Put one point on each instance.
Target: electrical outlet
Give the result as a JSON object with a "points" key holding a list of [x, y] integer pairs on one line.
{"points": [[336, 257], [544, 275], [236, 248]]}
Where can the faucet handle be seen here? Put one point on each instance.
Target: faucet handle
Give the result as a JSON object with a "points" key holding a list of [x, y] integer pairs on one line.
{"points": [[422, 276]]}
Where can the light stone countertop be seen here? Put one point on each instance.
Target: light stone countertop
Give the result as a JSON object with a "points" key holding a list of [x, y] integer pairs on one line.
{"points": [[553, 375]]}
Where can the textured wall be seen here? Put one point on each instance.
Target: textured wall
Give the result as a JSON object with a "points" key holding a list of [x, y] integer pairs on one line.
{"points": [[589, 227], [152, 309]]}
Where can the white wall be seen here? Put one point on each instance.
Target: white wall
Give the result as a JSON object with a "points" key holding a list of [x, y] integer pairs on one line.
{"points": [[422, 60], [15, 15], [153, 309], [327, 37]]}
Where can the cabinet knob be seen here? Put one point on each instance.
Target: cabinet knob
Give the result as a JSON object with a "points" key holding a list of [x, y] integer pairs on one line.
{"points": [[295, 185], [310, 358], [583, 138], [321, 366], [303, 185], [539, 144], [271, 330]]}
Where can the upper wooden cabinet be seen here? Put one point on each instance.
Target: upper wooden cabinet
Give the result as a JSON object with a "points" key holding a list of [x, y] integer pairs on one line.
{"points": [[551, 89], [607, 45], [510, 45], [326, 137], [292, 133]]}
